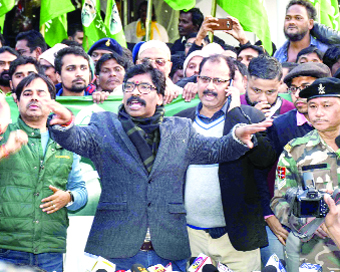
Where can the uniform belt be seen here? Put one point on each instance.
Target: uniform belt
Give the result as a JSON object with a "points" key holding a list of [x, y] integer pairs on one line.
{"points": [[146, 246]]}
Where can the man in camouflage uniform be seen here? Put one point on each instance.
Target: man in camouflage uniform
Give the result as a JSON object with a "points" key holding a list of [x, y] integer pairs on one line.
{"points": [[315, 153]]}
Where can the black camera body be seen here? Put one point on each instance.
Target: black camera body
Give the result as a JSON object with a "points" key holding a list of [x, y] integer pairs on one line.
{"points": [[307, 202]]}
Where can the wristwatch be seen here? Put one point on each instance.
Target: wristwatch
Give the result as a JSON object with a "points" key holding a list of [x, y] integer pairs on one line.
{"points": [[72, 198]]}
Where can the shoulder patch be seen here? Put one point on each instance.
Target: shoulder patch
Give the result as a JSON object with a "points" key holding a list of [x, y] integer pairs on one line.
{"points": [[281, 175], [288, 147]]}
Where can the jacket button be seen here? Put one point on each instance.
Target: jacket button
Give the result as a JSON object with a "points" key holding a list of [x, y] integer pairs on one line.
{"points": [[36, 194], [149, 204], [42, 167]]}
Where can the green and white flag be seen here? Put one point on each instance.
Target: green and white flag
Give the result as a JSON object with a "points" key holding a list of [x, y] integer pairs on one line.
{"points": [[252, 15], [6, 6], [53, 17], [328, 12], [94, 27]]}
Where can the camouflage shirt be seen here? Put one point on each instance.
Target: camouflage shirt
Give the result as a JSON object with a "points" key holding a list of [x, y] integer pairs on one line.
{"points": [[306, 154]]}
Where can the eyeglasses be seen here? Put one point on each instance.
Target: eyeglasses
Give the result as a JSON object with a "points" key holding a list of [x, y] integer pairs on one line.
{"points": [[143, 88], [216, 81], [160, 62], [294, 89]]}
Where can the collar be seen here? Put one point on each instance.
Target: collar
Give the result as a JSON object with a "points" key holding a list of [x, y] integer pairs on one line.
{"points": [[315, 139], [86, 92], [31, 132], [287, 43], [275, 108], [217, 114], [301, 119]]}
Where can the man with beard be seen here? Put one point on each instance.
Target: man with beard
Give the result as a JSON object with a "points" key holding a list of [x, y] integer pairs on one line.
{"points": [[264, 80], [299, 20], [141, 157], [7, 55], [73, 71], [88, 12]]}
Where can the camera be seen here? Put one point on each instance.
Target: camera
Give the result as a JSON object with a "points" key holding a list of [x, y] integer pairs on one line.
{"points": [[307, 202]]}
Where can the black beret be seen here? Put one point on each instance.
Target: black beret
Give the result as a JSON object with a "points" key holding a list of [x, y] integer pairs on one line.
{"points": [[312, 69], [107, 44], [327, 86]]}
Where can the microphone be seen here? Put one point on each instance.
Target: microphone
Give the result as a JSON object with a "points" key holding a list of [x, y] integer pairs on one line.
{"points": [[138, 268], [157, 268], [223, 268], [269, 268], [283, 263], [275, 261], [307, 267], [198, 263], [209, 268], [191, 260]]}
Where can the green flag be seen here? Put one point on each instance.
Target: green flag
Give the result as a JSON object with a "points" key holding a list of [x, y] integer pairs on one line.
{"points": [[328, 12], [53, 15], [179, 4], [6, 6], [252, 16], [113, 23], [94, 27]]}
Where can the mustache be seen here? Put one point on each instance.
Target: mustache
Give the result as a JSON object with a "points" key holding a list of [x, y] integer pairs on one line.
{"points": [[75, 80], [205, 92], [136, 98], [300, 100], [33, 103]]}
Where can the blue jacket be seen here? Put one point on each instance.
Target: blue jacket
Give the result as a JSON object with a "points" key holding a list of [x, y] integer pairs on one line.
{"points": [[131, 199]]}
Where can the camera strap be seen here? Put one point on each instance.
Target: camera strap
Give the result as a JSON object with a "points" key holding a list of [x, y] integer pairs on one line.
{"points": [[307, 231]]}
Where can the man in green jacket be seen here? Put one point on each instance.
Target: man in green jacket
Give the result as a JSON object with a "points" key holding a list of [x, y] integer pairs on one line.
{"points": [[38, 180]]}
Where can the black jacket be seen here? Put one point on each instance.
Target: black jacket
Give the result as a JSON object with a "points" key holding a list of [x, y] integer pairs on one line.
{"points": [[240, 191], [325, 34]]}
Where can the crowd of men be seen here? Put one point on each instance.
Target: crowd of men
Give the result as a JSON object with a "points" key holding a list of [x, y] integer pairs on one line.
{"points": [[212, 179]]}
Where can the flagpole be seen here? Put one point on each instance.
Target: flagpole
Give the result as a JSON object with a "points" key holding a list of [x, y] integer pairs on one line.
{"points": [[42, 30], [213, 14], [148, 21]]}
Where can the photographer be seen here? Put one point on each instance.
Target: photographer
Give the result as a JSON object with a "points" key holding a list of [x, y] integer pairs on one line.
{"points": [[313, 154]]}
